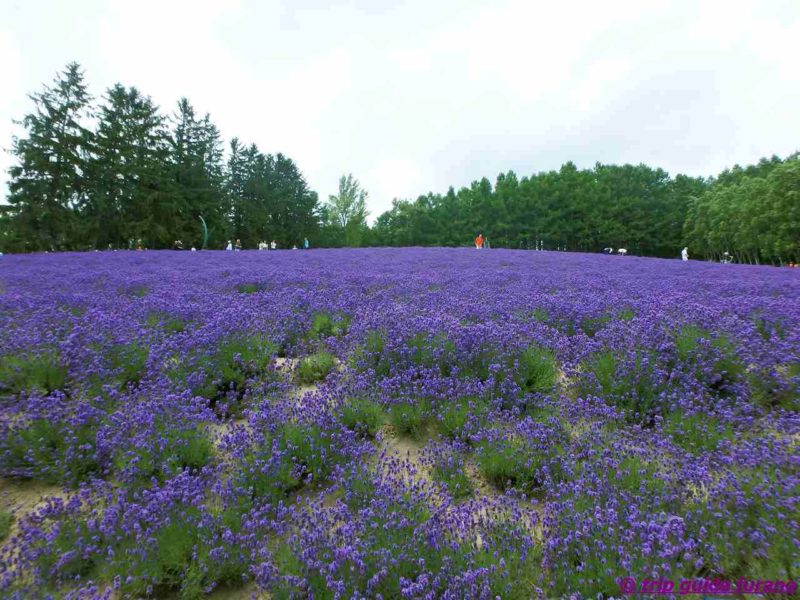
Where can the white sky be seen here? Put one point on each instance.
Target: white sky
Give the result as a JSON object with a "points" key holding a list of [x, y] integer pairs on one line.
{"points": [[415, 96]]}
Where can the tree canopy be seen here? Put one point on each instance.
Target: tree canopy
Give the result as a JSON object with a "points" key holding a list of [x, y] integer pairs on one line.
{"points": [[122, 173], [112, 173]]}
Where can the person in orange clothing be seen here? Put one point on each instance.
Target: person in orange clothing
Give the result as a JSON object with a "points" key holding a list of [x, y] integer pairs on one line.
{"points": [[479, 241]]}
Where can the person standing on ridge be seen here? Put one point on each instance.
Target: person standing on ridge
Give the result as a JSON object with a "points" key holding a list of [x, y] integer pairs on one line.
{"points": [[685, 253], [479, 241], [305, 243]]}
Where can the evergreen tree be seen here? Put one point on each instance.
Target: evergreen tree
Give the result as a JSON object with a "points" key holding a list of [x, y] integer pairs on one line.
{"points": [[130, 186], [48, 181], [235, 181], [196, 157]]}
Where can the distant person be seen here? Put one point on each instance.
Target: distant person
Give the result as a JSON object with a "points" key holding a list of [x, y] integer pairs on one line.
{"points": [[622, 252], [305, 243], [273, 245], [229, 246], [685, 253], [726, 258], [238, 245], [608, 251], [479, 241], [294, 247], [194, 249]]}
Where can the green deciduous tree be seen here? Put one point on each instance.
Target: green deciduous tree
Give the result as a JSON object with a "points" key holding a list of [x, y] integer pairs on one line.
{"points": [[346, 213]]}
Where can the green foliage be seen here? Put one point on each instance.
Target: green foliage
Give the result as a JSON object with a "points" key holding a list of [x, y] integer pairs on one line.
{"points": [[741, 492], [61, 552], [324, 325], [183, 449], [629, 384], [51, 451], [407, 516], [696, 433], [370, 355], [500, 465], [6, 521], [719, 353], [345, 214], [259, 208], [315, 367], [592, 325], [141, 176], [541, 315], [375, 342], [511, 463], [359, 487], [432, 352], [305, 454], [363, 416], [767, 329], [626, 314], [170, 324], [42, 372], [639, 477], [450, 471], [181, 559], [242, 356], [138, 177], [455, 416], [249, 288], [776, 388], [478, 363], [235, 361], [47, 182], [537, 370], [424, 350], [635, 206], [603, 366], [130, 361], [750, 212], [410, 418]]}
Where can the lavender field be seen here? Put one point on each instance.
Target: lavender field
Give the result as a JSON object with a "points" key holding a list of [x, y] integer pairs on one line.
{"points": [[393, 423]]}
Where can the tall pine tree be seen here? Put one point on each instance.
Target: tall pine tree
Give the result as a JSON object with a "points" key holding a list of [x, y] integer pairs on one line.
{"points": [[130, 186], [48, 181], [196, 155]]}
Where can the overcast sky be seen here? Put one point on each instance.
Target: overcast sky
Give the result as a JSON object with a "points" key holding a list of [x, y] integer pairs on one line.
{"points": [[416, 96]]}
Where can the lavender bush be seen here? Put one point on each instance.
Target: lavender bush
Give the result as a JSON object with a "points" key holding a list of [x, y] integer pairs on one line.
{"points": [[408, 423]]}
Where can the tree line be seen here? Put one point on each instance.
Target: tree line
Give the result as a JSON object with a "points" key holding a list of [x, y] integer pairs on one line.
{"points": [[753, 212], [90, 176], [121, 173]]}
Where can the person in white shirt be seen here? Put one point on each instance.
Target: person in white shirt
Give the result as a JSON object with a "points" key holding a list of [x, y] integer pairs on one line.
{"points": [[685, 253]]}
